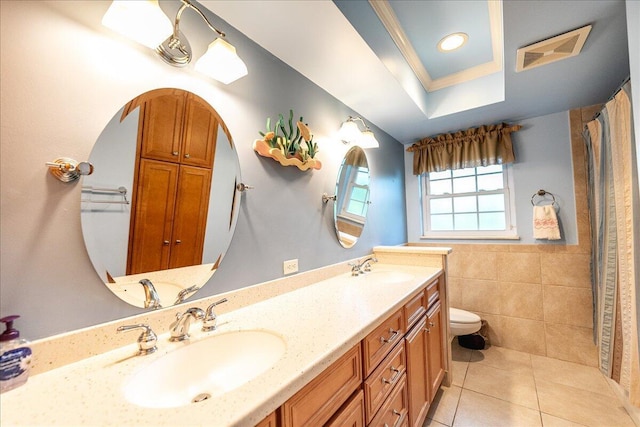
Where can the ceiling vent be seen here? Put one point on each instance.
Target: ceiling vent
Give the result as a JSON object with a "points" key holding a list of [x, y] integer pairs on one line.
{"points": [[551, 50]]}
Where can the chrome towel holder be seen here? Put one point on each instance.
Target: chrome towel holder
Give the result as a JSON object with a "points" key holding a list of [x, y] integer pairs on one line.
{"points": [[542, 193]]}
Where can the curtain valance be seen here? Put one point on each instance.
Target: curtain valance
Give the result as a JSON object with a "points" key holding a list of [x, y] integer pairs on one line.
{"points": [[481, 146]]}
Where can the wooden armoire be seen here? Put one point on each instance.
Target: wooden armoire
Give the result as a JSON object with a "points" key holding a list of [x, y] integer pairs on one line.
{"points": [[177, 134]]}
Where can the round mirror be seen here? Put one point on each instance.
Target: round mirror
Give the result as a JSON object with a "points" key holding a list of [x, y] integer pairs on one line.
{"points": [[161, 206], [352, 197]]}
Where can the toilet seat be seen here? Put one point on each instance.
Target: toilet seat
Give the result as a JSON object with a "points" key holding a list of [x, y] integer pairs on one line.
{"points": [[463, 322]]}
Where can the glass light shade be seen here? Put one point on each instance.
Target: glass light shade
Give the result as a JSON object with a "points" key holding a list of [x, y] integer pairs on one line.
{"points": [[349, 132], [141, 21], [221, 62], [452, 42], [367, 140]]}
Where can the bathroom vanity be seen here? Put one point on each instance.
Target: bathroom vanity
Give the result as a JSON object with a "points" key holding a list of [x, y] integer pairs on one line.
{"points": [[371, 348]]}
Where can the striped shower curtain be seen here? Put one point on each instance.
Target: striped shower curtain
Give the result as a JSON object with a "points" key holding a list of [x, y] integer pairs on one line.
{"points": [[613, 205]]}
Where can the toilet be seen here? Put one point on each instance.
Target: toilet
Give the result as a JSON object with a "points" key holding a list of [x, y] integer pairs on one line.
{"points": [[463, 322]]}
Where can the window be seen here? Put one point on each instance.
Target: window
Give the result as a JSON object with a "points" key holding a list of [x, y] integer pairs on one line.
{"points": [[355, 205], [467, 203]]}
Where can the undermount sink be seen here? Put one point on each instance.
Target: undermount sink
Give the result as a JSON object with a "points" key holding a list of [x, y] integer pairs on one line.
{"points": [[388, 276], [204, 369]]}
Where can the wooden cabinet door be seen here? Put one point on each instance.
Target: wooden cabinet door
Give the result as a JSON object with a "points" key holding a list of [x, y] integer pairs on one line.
{"points": [[434, 345], [190, 221], [162, 127], [200, 134], [270, 420], [149, 245], [417, 377]]}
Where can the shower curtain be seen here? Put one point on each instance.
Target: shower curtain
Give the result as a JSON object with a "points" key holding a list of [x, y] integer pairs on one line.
{"points": [[613, 205]]}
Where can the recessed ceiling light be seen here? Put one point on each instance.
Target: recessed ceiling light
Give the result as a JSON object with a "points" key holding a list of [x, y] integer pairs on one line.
{"points": [[452, 42]]}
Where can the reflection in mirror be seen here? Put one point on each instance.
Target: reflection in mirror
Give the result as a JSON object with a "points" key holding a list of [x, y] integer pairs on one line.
{"points": [[352, 197], [160, 209]]}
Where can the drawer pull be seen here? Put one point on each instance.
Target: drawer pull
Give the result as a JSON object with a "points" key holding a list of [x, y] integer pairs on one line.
{"points": [[394, 335], [393, 379], [175, 153], [394, 412]]}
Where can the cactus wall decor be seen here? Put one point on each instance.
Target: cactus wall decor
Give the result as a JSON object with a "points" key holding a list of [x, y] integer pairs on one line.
{"points": [[289, 145]]}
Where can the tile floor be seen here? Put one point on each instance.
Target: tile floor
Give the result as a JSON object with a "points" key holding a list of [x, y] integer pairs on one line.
{"points": [[502, 387]]}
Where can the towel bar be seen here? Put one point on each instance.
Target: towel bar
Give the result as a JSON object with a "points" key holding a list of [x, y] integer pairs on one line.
{"points": [[543, 193]]}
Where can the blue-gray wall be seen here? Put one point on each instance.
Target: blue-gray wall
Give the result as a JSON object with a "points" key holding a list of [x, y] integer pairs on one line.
{"points": [[543, 161], [55, 102]]}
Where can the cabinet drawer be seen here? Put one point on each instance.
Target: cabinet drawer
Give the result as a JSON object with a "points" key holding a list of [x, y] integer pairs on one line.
{"points": [[379, 342], [415, 308], [351, 414], [316, 403], [380, 383], [394, 410], [433, 292]]}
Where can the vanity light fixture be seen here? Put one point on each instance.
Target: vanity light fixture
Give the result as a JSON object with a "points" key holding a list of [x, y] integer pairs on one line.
{"points": [[350, 133], [129, 18], [452, 42]]}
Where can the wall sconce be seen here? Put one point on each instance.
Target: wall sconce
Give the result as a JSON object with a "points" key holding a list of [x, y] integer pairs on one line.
{"points": [[350, 133], [145, 23]]}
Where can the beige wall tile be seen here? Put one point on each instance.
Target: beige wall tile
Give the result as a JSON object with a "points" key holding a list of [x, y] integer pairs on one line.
{"points": [[566, 269], [480, 295], [478, 265], [519, 267], [494, 328], [455, 291], [572, 343], [521, 300], [567, 305], [523, 335]]}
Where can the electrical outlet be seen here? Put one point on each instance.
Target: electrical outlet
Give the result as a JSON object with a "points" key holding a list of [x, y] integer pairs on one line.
{"points": [[290, 266]]}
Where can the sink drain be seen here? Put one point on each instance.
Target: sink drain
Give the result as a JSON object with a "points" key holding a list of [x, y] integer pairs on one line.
{"points": [[201, 398]]}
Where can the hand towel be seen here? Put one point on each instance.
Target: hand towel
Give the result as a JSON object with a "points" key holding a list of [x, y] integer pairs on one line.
{"points": [[545, 223]]}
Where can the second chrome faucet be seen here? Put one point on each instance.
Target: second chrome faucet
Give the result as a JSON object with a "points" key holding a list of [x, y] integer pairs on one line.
{"points": [[179, 329]]}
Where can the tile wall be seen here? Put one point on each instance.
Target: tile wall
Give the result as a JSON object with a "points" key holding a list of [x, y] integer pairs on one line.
{"points": [[535, 298]]}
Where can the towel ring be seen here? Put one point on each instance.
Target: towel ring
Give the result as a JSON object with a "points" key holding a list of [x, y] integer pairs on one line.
{"points": [[543, 193]]}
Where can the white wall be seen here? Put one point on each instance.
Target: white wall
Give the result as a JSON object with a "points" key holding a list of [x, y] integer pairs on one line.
{"points": [[543, 161], [64, 76]]}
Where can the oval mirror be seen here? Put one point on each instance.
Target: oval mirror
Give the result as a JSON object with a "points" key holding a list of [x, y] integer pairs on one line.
{"points": [[352, 197], [161, 206]]}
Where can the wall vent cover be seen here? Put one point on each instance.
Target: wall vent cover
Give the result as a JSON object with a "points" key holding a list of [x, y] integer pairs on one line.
{"points": [[551, 50]]}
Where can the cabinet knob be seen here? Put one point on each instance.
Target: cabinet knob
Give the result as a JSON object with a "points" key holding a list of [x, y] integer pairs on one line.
{"points": [[166, 242], [186, 156], [432, 324], [175, 153], [178, 242]]}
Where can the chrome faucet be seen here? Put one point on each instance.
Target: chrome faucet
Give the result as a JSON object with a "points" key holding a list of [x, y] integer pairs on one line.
{"points": [[151, 298], [210, 322], [185, 293], [179, 329], [147, 339], [358, 267]]}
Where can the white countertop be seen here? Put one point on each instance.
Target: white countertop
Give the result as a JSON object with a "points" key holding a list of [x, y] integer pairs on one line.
{"points": [[319, 323]]}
